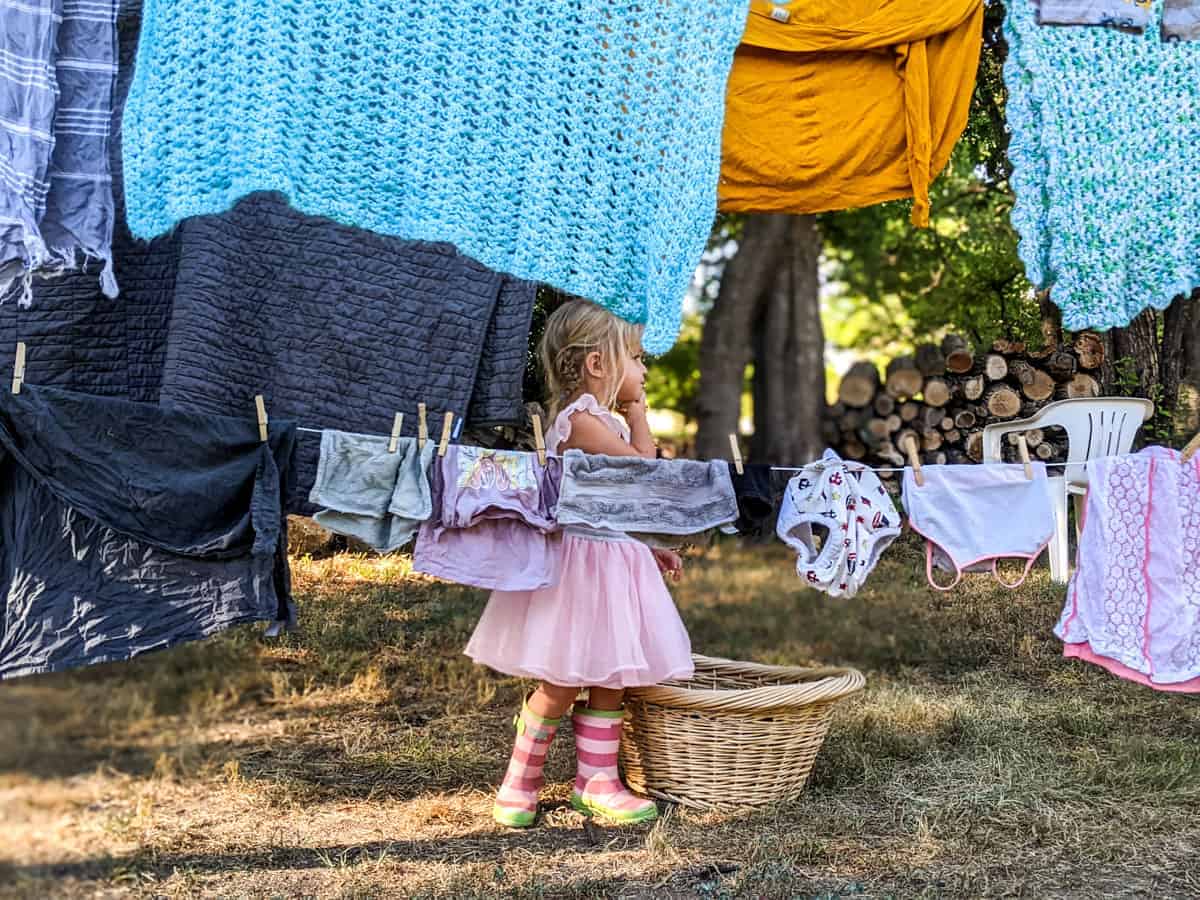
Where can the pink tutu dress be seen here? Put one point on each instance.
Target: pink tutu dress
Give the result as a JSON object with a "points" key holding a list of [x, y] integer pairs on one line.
{"points": [[609, 622]]}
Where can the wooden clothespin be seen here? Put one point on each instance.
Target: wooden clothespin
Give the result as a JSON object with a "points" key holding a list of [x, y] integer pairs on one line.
{"points": [[397, 424], [261, 407], [447, 427], [1023, 449], [910, 447], [1190, 450], [19, 368], [539, 439], [736, 450], [422, 427]]}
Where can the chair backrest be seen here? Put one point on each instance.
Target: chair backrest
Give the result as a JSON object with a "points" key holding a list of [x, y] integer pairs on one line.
{"points": [[1095, 427]]}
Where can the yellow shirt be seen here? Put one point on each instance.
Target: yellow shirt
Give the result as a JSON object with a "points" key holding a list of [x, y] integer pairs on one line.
{"points": [[841, 103]]}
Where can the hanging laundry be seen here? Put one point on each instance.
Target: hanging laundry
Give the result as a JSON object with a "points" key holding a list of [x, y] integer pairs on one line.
{"points": [[56, 84], [756, 498], [1131, 14], [570, 144], [653, 496], [368, 492], [973, 517], [79, 339], [493, 522], [127, 528], [835, 105], [1106, 178], [1181, 20], [849, 510], [338, 327], [1133, 604]]}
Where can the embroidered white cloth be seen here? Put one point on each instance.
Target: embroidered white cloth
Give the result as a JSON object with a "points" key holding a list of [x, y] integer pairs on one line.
{"points": [[1133, 604]]}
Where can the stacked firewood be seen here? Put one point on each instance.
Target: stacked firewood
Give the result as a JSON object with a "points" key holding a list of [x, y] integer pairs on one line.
{"points": [[944, 396]]}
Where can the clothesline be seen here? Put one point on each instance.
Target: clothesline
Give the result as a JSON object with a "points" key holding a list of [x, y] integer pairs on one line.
{"points": [[848, 464]]}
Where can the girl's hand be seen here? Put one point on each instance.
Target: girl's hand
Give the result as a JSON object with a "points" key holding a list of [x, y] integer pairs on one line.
{"points": [[669, 562], [634, 410]]}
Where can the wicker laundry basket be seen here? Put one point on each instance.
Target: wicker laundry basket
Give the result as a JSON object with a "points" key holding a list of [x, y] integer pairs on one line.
{"points": [[737, 734]]}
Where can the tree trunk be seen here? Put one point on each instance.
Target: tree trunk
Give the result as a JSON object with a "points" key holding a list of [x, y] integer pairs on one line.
{"points": [[768, 311], [791, 354], [1190, 397], [1138, 344], [725, 346]]}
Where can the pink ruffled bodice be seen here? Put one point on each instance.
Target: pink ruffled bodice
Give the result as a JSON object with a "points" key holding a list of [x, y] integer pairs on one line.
{"points": [[560, 430]]}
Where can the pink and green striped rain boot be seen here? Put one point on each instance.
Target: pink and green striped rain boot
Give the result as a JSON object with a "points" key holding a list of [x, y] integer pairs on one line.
{"points": [[517, 800], [598, 787]]}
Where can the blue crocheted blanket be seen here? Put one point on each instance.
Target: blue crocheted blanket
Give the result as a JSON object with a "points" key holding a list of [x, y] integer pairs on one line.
{"points": [[573, 143], [1106, 164]]}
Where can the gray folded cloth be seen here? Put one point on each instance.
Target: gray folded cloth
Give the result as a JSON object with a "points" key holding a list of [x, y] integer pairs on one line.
{"points": [[650, 496], [367, 493], [1120, 13], [1181, 20]]}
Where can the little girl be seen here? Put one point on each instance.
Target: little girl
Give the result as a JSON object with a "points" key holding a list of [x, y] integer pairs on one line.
{"points": [[610, 622]]}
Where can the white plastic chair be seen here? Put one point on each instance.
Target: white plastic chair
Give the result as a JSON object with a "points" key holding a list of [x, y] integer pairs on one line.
{"points": [[1095, 427]]}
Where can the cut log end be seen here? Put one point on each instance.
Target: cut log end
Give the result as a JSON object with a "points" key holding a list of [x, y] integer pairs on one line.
{"points": [[936, 392], [1003, 402]]}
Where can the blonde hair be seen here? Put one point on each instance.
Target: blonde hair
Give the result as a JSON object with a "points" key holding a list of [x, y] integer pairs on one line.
{"points": [[574, 330]]}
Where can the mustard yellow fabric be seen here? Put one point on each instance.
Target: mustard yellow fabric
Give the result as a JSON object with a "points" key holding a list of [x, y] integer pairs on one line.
{"points": [[847, 102]]}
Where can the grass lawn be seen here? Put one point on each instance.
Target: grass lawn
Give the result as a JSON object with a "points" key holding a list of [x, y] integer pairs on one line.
{"points": [[358, 758]]}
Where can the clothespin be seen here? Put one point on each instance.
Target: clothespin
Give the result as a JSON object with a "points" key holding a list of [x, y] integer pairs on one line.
{"points": [[1023, 449], [736, 449], [1192, 446], [422, 427], [19, 368], [539, 439], [910, 447], [447, 427], [261, 407], [397, 423]]}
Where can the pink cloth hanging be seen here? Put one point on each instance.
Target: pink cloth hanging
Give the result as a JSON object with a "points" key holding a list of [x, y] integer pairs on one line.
{"points": [[1133, 605]]}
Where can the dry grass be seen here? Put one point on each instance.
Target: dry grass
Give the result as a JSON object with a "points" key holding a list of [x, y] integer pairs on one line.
{"points": [[358, 758]]}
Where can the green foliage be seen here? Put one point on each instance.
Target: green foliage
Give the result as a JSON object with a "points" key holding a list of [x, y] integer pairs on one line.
{"points": [[672, 378]]}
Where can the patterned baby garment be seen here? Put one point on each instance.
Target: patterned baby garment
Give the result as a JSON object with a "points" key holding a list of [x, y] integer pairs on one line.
{"points": [[1133, 14], [1181, 20], [58, 67], [576, 144], [1107, 178], [1133, 604], [839, 521], [493, 520], [834, 105]]}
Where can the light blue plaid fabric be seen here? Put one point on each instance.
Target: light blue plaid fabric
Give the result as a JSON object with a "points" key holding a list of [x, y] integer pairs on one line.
{"points": [[57, 71]]}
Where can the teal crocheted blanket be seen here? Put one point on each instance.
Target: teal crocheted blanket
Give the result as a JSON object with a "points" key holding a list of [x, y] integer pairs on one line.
{"points": [[1105, 152], [572, 143]]}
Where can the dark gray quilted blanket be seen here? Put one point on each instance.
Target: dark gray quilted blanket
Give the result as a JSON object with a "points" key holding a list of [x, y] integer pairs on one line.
{"points": [[126, 527], [335, 326]]}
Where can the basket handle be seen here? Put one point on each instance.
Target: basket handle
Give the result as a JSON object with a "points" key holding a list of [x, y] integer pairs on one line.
{"points": [[833, 684]]}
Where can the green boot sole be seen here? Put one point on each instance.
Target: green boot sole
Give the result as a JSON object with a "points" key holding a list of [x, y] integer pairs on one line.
{"points": [[513, 818], [581, 804]]}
